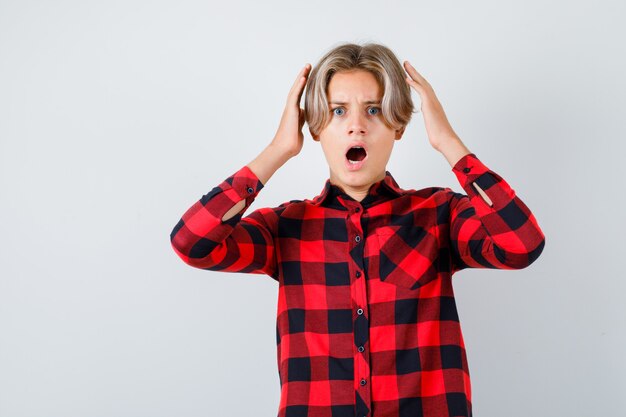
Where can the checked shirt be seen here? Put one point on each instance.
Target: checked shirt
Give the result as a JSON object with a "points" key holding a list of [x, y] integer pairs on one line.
{"points": [[366, 319]]}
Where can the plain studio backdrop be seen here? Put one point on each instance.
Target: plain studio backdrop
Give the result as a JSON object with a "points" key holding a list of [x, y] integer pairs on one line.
{"points": [[115, 117]]}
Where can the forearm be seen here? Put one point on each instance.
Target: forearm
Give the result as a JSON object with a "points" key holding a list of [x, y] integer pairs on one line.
{"points": [[495, 231], [453, 150], [203, 240], [268, 162]]}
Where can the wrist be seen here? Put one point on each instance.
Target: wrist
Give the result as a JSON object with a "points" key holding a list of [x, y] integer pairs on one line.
{"points": [[453, 149], [279, 153]]}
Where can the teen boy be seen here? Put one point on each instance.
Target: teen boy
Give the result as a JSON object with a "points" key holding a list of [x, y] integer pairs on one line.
{"points": [[366, 323]]}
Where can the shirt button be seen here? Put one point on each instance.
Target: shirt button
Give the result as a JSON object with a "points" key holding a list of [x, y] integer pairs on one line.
{"points": [[363, 382], [466, 170], [359, 311], [358, 274], [357, 209], [361, 348], [250, 190], [357, 238]]}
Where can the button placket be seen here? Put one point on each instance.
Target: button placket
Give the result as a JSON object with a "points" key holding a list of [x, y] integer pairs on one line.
{"points": [[361, 324]]}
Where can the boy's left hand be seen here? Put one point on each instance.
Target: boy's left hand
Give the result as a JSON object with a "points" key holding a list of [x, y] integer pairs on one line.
{"points": [[438, 128]]}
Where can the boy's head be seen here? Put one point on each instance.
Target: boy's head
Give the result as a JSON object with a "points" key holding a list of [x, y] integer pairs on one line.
{"points": [[357, 95]]}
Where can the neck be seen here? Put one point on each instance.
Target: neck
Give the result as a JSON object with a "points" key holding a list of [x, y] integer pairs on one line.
{"points": [[357, 191]]}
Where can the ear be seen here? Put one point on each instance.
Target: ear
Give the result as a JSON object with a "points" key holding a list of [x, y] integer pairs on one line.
{"points": [[400, 132]]}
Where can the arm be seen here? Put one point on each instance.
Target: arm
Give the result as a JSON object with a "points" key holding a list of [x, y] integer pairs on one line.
{"points": [[212, 234], [490, 227]]}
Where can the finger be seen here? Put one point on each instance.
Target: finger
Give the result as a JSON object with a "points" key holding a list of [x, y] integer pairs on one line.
{"points": [[297, 81], [297, 85], [413, 72], [301, 90], [296, 94], [416, 86], [293, 99]]}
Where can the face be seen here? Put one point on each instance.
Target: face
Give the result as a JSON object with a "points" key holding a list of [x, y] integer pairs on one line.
{"points": [[356, 119]]}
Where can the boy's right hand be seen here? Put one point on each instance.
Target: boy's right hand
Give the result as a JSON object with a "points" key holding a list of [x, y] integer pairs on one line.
{"points": [[289, 137]]}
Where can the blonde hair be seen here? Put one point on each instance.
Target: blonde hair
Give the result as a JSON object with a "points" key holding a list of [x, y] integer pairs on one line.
{"points": [[396, 105]]}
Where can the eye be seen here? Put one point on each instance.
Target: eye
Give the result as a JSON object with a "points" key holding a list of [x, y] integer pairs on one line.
{"points": [[375, 108], [337, 108]]}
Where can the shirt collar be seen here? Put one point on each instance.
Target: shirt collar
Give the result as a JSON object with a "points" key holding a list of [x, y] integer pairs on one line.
{"points": [[382, 190]]}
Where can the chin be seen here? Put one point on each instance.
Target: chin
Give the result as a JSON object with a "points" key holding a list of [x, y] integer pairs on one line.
{"points": [[358, 177]]}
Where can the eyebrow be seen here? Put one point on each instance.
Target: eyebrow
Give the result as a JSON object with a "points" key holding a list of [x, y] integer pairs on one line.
{"points": [[366, 102]]}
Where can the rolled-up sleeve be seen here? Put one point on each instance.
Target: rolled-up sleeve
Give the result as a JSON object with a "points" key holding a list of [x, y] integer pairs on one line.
{"points": [[490, 226], [240, 244]]}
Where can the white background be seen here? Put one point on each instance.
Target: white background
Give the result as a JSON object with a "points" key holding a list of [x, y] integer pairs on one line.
{"points": [[116, 116]]}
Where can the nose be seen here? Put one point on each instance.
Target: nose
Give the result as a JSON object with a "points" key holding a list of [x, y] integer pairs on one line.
{"points": [[357, 124]]}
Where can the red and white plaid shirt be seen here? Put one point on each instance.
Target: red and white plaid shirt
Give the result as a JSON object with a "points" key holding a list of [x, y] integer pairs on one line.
{"points": [[367, 323]]}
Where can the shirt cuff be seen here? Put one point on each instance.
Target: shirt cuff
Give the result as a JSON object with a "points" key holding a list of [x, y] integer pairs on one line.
{"points": [[478, 180], [244, 182], [468, 169]]}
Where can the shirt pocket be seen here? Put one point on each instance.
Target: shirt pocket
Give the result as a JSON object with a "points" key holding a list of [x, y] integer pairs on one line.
{"points": [[407, 256]]}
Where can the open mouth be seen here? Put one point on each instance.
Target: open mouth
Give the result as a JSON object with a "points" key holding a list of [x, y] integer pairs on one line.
{"points": [[356, 154]]}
